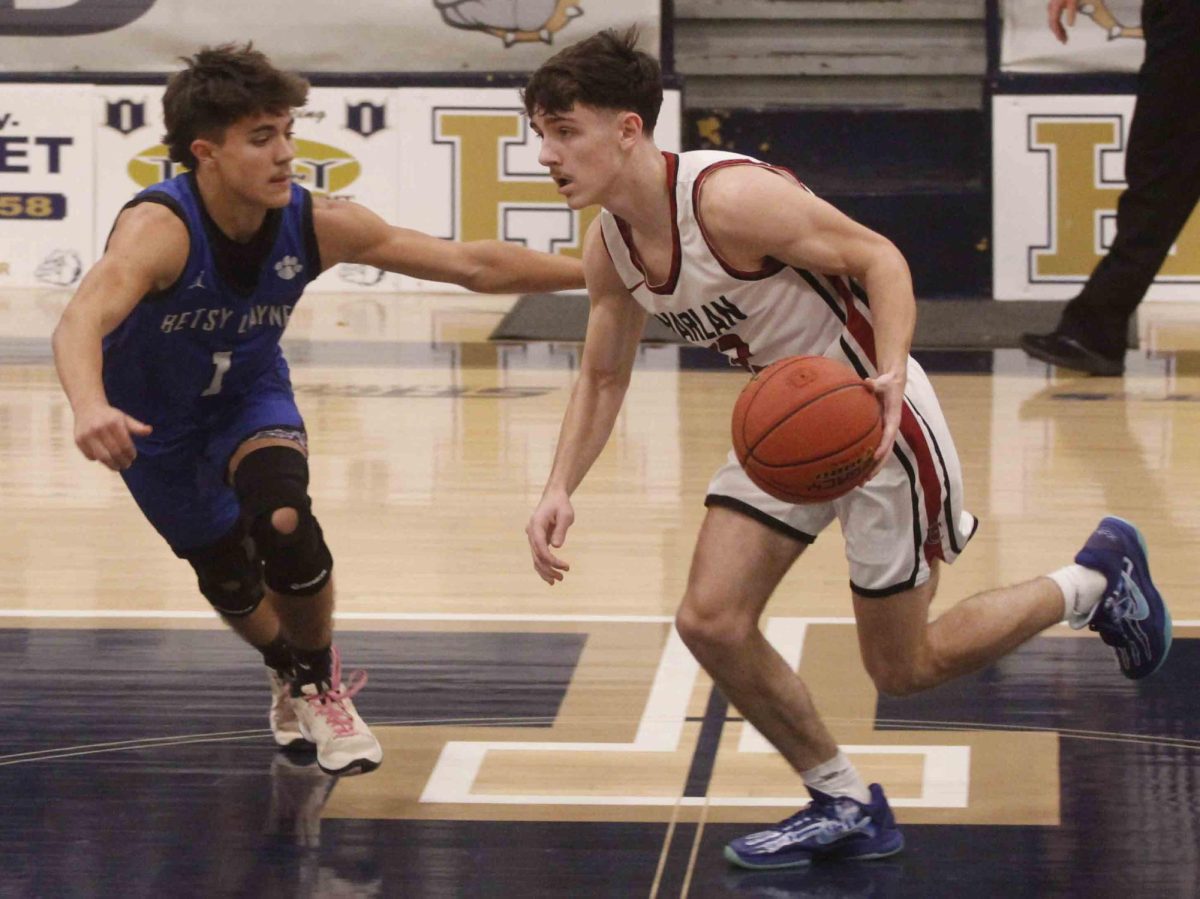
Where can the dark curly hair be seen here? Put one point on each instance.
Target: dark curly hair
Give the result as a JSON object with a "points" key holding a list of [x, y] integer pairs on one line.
{"points": [[217, 87], [605, 71]]}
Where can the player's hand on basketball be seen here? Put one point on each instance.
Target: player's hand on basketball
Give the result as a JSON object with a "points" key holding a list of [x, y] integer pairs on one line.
{"points": [[105, 435], [889, 390], [1054, 12], [548, 528]]}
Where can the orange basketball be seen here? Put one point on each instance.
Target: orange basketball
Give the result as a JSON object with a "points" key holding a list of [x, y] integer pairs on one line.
{"points": [[805, 429]]}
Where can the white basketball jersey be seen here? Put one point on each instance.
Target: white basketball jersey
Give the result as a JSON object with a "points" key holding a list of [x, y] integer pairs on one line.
{"points": [[907, 515], [755, 318]]}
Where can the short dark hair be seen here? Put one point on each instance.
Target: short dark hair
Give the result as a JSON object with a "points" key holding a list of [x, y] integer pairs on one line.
{"points": [[605, 71], [217, 87]]}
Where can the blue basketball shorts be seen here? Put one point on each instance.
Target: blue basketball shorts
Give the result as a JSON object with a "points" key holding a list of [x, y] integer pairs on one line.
{"points": [[179, 478]]}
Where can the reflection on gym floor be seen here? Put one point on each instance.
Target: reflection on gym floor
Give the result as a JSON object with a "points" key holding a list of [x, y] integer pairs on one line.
{"points": [[551, 742]]}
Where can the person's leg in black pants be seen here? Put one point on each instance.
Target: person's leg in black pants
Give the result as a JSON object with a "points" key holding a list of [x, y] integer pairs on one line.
{"points": [[1162, 168]]}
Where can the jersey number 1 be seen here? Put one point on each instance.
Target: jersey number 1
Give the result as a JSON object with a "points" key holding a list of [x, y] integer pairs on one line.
{"points": [[221, 363]]}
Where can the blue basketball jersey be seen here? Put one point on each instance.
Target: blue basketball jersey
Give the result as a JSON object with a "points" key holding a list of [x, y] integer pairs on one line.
{"points": [[210, 336]]}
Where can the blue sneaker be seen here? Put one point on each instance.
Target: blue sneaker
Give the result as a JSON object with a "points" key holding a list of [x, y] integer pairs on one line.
{"points": [[1131, 616], [834, 827]]}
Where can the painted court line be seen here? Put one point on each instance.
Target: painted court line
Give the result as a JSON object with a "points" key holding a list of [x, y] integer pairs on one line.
{"points": [[201, 615]]}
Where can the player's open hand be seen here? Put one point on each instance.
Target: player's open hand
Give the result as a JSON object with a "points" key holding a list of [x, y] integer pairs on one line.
{"points": [[1054, 12], [104, 434], [548, 528], [889, 390]]}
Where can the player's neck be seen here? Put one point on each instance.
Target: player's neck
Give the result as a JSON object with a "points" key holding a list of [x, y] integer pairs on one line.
{"points": [[237, 219], [642, 196]]}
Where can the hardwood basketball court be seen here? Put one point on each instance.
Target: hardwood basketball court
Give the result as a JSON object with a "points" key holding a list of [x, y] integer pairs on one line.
{"points": [[561, 741]]}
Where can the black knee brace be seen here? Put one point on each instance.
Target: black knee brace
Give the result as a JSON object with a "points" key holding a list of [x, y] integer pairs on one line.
{"points": [[230, 573], [273, 478]]}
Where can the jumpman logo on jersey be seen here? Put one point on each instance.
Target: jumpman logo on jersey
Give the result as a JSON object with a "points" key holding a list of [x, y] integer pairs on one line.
{"points": [[199, 282]]}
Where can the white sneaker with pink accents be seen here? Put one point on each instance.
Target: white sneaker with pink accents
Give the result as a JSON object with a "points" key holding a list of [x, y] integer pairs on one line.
{"points": [[345, 745], [285, 727]]}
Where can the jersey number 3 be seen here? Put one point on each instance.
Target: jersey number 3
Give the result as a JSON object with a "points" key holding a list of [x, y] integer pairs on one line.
{"points": [[731, 343], [221, 363]]}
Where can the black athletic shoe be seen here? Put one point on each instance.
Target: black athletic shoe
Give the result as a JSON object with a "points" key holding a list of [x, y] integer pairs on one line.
{"points": [[1067, 352]]}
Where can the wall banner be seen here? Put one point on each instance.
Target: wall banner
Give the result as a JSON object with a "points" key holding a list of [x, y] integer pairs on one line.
{"points": [[348, 148], [1107, 37], [1058, 169], [409, 36], [456, 163], [469, 171], [46, 182], [129, 151]]}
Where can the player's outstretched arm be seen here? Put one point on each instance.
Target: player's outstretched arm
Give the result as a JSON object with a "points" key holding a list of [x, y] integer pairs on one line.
{"points": [[147, 251], [615, 325], [348, 232], [752, 213]]}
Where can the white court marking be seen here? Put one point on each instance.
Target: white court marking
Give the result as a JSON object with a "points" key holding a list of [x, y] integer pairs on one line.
{"points": [[945, 784]]}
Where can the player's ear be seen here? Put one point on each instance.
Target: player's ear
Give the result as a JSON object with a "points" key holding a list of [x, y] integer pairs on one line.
{"points": [[629, 127], [202, 149]]}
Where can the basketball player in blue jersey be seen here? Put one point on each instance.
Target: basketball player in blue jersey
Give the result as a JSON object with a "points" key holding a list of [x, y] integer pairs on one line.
{"points": [[169, 354], [737, 254]]}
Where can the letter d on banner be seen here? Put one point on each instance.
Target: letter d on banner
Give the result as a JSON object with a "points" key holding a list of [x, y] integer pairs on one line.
{"points": [[29, 18]]}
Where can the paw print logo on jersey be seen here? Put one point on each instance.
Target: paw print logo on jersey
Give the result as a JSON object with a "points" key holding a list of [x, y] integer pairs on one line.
{"points": [[513, 21], [288, 267]]}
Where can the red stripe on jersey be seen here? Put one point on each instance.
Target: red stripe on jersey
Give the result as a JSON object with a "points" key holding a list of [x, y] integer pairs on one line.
{"points": [[864, 334], [860, 329], [667, 286], [604, 240], [770, 266], [914, 436]]}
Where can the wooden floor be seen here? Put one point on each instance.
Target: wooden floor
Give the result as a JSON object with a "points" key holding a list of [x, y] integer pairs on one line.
{"points": [[573, 713]]}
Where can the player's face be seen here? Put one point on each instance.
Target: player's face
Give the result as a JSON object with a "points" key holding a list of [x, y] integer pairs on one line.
{"points": [[254, 159], [582, 148]]}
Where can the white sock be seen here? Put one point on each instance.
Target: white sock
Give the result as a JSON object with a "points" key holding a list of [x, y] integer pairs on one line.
{"points": [[1082, 589], [837, 777]]}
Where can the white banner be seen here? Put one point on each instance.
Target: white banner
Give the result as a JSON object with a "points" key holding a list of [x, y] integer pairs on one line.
{"points": [[1107, 37], [409, 36], [469, 171], [1058, 169], [458, 164], [348, 147], [46, 182], [129, 150]]}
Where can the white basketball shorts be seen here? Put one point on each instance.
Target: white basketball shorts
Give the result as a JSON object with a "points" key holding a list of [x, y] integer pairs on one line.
{"points": [[895, 525]]}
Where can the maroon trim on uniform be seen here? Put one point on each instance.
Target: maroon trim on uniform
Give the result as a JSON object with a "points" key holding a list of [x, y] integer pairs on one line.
{"points": [[668, 286], [604, 240], [914, 435], [773, 266], [614, 262], [856, 323]]}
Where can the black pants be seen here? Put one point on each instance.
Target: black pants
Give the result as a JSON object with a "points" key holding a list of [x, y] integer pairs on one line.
{"points": [[1162, 168]]}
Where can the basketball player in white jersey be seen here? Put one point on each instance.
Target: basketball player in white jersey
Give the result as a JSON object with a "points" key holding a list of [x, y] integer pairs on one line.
{"points": [[737, 254]]}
